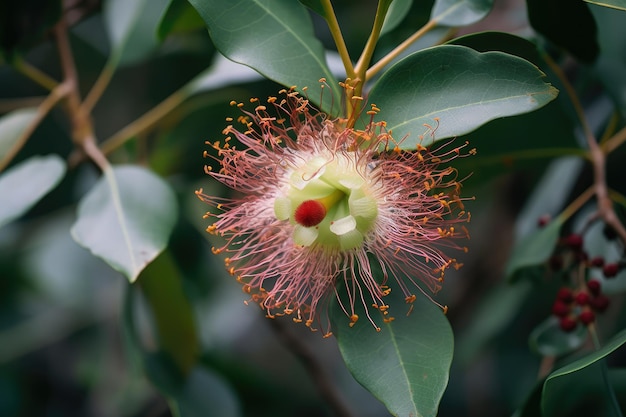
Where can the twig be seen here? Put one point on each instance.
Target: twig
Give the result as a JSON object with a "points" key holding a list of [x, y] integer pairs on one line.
{"points": [[374, 69], [597, 156], [314, 367], [335, 31], [35, 74], [58, 93], [82, 127]]}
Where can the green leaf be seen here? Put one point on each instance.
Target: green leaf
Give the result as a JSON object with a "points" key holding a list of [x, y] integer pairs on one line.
{"points": [[26, 183], [460, 12], [534, 249], [455, 90], [12, 126], [276, 38], [406, 365], [576, 34], [532, 139], [132, 28], [548, 339], [126, 218], [396, 14], [614, 4], [553, 379], [171, 310]]}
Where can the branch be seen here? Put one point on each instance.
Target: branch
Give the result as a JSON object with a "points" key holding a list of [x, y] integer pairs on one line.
{"points": [[314, 367], [82, 127], [597, 156]]}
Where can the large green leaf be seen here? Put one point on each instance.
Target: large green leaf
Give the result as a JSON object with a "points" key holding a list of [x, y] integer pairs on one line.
{"points": [[132, 27], [126, 218], [614, 4], [456, 90], [576, 34], [25, 184], [460, 12], [275, 37], [531, 139], [405, 365], [549, 407], [12, 126]]}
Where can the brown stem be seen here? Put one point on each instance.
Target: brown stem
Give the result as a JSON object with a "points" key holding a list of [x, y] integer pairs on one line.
{"points": [[82, 127], [597, 156], [315, 368]]}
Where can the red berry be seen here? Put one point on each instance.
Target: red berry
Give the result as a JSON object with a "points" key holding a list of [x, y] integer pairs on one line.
{"points": [[567, 324], [560, 309], [599, 303], [582, 298], [594, 286], [597, 261], [565, 295], [587, 317], [544, 220], [574, 241], [610, 270]]}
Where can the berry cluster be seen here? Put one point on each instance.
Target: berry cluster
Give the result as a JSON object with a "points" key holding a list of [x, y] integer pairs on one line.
{"points": [[581, 304]]}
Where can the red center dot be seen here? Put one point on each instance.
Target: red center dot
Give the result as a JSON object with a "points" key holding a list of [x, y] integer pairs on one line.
{"points": [[310, 213]]}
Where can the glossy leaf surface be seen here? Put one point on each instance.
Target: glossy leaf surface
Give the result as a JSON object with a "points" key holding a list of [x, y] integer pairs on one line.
{"points": [[275, 37], [405, 365], [126, 218], [549, 407], [455, 90], [460, 12], [24, 184]]}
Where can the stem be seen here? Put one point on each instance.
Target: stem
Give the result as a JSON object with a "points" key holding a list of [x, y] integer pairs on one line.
{"points": [[145, 122], [615, 141], [605, 372], [572, 96], [335, 31], [82, 128], [314, 367], [44, 108], [354, 85], [100, 85], [575, 205], [368, 51], [596, 155], [35, 74], [399, 49]]}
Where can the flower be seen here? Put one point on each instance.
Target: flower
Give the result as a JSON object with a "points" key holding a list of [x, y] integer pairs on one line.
{"points": [[322, 204]]}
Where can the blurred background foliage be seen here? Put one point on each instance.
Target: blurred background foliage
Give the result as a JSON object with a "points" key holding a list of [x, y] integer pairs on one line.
{"points": [[76, 339]]}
